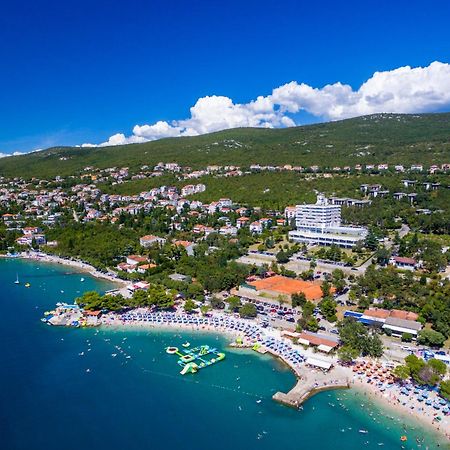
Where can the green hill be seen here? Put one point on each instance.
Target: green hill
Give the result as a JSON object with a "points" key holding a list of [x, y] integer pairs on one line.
{"points": [[390, 138]]}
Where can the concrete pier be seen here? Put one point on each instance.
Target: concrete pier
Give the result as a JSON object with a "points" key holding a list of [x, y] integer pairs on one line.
{"points": [[309, 384], [300, 393]]}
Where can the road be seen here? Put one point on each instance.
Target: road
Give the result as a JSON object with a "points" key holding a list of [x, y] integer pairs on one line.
{"points": [[299, 266]]}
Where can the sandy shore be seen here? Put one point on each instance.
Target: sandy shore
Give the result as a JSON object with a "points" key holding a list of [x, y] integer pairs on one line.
{"points": [[412, 409], [78, 265], [391, 398], [423, 416]]}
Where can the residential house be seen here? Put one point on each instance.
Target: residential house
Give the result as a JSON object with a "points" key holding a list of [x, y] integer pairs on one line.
{"points": [[150, 240]]}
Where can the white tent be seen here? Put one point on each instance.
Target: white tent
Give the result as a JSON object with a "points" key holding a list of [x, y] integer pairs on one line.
{"points": [[319, 363], [324, 348]]}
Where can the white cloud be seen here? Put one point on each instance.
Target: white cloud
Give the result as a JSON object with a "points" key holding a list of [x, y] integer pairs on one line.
{"points": [[402, 90], [5, 155]]}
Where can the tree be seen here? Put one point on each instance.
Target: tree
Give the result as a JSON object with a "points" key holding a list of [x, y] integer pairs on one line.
{"points": [[234, 303], [298, 299], [444, 389], [439, 367], [308, 309], [325, 289], [354, 335], [195, 291], [407, 337], [383, 255], [159, 297], [328, 309], [282, 257], [312, 324], [415, 365], [347, 354], [189, 305], [371, 241], [90, 300], [216, 303], [402, 372], [204, 309], [140, 298], [375, 346], [431, 338], [248, 310]]}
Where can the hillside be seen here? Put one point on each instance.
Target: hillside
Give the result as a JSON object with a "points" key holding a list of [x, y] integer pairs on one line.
{"points": [[390, 138]]}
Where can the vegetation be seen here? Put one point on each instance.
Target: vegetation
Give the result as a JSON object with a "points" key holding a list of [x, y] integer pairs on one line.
{"points": [[426, 373], [389, 138], [156, 296], [307, 321], [431, 338], [356, 337], [97, 243], [430, 298], [248, 310]]}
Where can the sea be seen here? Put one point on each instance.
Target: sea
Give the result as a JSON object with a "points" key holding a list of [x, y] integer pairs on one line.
{"points": [[66, 388]]}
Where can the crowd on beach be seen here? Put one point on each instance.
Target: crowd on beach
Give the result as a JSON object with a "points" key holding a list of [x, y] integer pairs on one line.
{"points": [[405, 399], [420, 402], [249, 333], [374, 378]]}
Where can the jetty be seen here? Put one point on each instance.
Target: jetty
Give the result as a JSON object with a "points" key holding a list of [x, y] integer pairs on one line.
{"points": [[309, 384]]}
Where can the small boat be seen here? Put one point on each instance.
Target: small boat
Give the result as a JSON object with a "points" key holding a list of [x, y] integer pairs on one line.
{"points": [[82, 279], [27, 285], [186, 344], [17, 279], [363, 431], [403, 438]]}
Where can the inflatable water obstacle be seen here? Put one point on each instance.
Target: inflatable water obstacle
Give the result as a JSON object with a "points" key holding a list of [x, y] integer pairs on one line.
{"points": [[193, 359]]}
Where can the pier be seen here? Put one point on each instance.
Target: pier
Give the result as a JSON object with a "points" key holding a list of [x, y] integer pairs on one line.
{"points": [[310, 384]]}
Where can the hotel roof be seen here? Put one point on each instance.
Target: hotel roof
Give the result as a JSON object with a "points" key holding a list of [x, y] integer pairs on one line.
{"points": [[317, 339], [377, 313]]}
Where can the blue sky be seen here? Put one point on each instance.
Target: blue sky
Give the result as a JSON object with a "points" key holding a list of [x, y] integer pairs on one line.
{"points": [[81, 71]]}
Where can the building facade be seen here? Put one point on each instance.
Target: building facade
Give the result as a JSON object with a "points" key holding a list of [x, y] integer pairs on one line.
{"points": [[320, 224]]}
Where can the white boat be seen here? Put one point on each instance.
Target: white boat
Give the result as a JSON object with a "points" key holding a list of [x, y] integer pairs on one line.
{"points": [[17, 279], [82, 279]]}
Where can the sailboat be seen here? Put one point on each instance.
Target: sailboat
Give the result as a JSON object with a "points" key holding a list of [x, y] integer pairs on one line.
{"points": [[17, 279]]}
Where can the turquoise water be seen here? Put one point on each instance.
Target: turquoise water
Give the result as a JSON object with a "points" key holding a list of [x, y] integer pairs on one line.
{"points": [[63, 389]]}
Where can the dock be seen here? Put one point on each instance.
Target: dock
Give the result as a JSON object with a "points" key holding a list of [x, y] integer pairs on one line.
{"points": [[308, 385]]}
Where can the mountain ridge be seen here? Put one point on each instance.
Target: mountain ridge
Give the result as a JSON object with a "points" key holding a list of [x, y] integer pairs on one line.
{"points": [[377, 138]]}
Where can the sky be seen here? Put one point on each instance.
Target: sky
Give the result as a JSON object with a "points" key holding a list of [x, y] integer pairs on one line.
{"points": [[94, 72]]}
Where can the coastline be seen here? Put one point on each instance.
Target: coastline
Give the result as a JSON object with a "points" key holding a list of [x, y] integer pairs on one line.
{"points": [[80, 266], [390, 402], [417, 417]]}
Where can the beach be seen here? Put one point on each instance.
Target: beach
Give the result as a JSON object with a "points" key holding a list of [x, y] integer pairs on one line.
{"points": [[80, 266], [391, 397], [120, 375], [280, 350], [420, 415]]}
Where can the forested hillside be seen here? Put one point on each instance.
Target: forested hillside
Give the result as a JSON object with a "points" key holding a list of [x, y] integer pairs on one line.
{"points": [[390, 138]]}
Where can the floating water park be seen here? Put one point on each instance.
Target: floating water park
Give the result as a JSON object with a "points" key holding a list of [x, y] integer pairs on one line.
{"points": [[193, 359]]}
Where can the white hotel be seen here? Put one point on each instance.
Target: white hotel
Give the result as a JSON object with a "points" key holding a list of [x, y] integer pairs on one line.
{"points": [[320, 224]]}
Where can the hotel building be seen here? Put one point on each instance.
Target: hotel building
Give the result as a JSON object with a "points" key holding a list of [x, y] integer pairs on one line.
{"points": [[320, 224]]}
